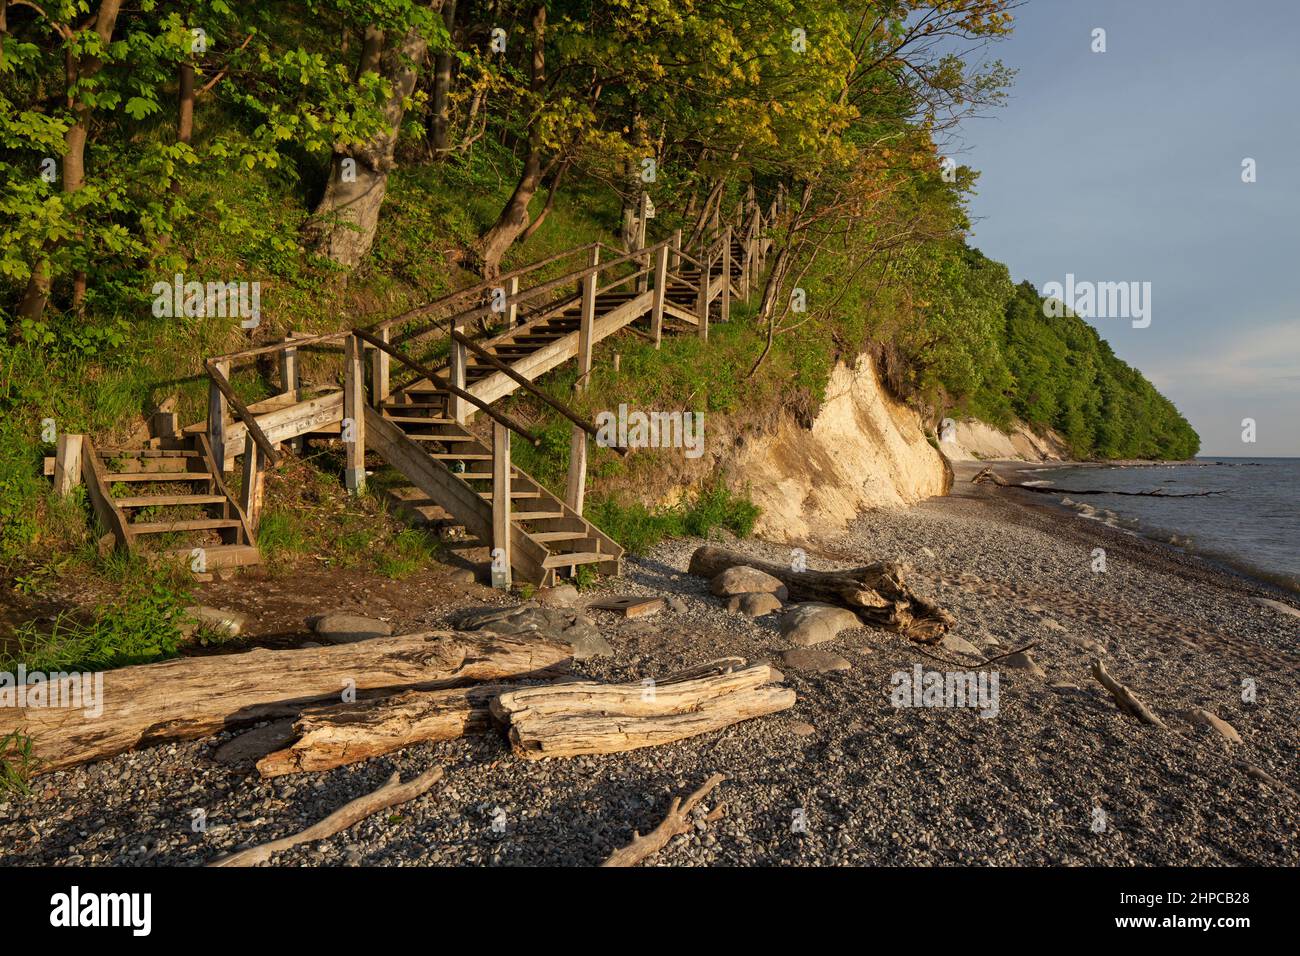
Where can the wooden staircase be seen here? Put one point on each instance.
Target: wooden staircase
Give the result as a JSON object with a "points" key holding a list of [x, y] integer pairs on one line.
{"points": [[169, 502], [454, 468], [172, 495]]}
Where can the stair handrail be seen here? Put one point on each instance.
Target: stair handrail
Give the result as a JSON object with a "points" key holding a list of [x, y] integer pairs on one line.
{"points": [[499, 417], [242, 413], [588, 427]]}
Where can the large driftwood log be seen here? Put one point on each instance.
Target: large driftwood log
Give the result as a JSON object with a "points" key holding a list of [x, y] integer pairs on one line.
{"points": [[337, 734], [676, 823], [197, 696], [391, 794], [877, 592], [584, 717]]}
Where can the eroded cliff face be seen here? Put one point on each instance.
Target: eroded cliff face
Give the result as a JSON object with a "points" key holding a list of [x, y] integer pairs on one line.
{"points": [[975, 441], [864, 450]]}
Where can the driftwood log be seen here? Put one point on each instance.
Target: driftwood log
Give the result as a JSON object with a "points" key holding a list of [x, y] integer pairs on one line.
{"points": [[338, 734], [1125, 699], [877, 592], [197, 696], [584, 717], [676, 823], [391, 794]]}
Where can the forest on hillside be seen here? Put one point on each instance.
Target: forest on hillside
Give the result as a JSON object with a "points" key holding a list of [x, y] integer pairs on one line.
{"points": [[356, 157]]}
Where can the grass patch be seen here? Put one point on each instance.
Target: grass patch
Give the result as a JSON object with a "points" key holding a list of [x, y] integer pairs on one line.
{"points": [[17, 764], [407, 552], [140, 625], [638, 528]]}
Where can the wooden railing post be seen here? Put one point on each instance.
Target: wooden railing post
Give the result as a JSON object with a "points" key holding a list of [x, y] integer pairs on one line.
{"points": [[253, 486], [500, 506], [289, 381], [512, 307], [457, 407], [575, 486], [676, 260], [726, 274], [217, 416], [661, 291], [702, 298], [379, 372], [67, 464], [643, 218], [354, 416]]}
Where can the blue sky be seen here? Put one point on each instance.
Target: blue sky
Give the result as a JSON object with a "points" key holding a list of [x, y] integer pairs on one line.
{"points": [[1126, 166]]}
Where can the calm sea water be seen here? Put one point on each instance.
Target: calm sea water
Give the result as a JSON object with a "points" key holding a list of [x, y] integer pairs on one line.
{"points": [[1253, 526]]}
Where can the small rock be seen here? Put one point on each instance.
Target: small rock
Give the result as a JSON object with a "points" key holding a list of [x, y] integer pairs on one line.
{"points": [[1093, 647], [1277, 606], [959, 645], [462, 576], [350, 628], [677, 605], [818, 662], [225, 623], [746, 580], [807, 624], [754, 605], [1021, 660], [562, 595], [802, 729]]}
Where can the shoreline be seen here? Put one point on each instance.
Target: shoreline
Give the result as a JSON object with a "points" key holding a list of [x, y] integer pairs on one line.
{"points": [[1276, 584], [876, 784]]}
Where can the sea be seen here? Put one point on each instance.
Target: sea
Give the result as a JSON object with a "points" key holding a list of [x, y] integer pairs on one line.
{"points": [[1251, 523]]}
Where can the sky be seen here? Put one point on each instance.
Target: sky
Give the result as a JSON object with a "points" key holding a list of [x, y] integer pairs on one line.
{"points": [[1127, 166]]}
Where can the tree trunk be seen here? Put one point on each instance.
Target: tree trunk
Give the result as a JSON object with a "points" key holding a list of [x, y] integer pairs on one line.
{"points": [[345, 221], [197, 696], [37, 294], [184, 112], [876, 592], [439, 128], [492, 245]]}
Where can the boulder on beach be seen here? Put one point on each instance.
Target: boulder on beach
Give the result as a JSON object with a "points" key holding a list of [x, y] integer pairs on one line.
{"points": [[742, 579], [814, 661], [562, 624], [754, 605], [343, 628], [807, 624]]}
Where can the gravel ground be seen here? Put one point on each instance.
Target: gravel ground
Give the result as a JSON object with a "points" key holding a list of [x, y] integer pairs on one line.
{"points": [[1059, 776]]}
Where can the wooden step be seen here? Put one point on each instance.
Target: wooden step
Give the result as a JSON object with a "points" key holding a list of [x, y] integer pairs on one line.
{"points": [[487, 495], [558, 535], [150, 501], [421, 420], [575, 557], [147, 453], [157, 476], [197, 524], [456, 456], [221, 555], [535, 515], [449, 439]]}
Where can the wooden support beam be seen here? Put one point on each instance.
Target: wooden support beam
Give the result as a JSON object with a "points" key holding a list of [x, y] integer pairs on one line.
{"points": [[575, 488], [380, 366], [726, 275], [677, 245], [253, 488], [217, 412], [457, 407], [661, 290], [289, 383], [246, 416], [702, 299], [512, 307], [67, 464], [354, 417], [588, 318], [501, 506]]}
